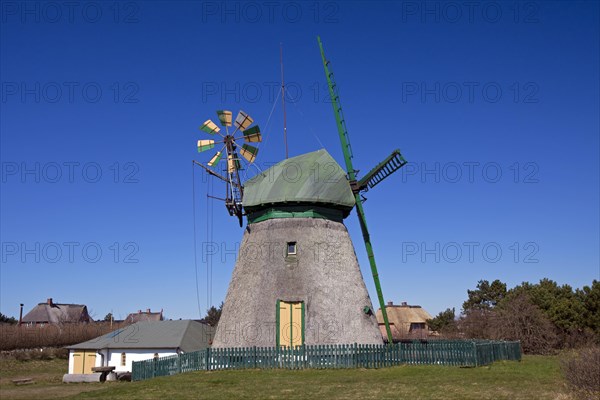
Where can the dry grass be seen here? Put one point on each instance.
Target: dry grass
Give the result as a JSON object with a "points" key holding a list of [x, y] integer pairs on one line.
{"points": [[47, 377]]}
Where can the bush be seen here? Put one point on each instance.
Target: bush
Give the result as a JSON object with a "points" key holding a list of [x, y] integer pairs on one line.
{"points": [[517, 318], [61, 353], [14, 337], [582, 372], [22, 356], [48, 353]]}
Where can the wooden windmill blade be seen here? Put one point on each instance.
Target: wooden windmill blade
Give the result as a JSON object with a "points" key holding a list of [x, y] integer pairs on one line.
{"points": [[224, 117], [243, 121], [388, 166], [394, 162], [253, 134], [204, 145], [210, 127], [215, 159], [249, 152]]}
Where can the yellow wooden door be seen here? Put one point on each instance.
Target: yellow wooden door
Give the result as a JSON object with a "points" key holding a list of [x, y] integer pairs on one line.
{"points": [[296, 327], [78, 362], [83, 362], [290, 323], [285, 319], [89, 362]]}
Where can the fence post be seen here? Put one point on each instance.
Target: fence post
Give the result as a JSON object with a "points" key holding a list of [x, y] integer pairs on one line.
{"points": [[207, 358], [304, 357]]}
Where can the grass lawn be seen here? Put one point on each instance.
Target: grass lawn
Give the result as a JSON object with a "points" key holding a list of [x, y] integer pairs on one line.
{"points": [[536, 377], [47, 375]]}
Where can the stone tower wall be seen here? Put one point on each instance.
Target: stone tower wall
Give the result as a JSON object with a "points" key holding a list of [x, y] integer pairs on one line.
{"points": [[324, 274]]}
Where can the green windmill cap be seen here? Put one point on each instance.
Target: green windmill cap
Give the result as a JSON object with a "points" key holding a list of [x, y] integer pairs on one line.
{"points": [[309, 179]]}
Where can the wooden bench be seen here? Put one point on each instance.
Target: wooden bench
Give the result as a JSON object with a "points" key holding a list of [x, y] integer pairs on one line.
{"points": [[104, 371], [23, 381]]}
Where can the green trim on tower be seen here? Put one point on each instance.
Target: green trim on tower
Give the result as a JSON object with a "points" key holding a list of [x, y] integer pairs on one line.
{"points": [[302, 305], [296, 212], [277, 323], [291, 324]]}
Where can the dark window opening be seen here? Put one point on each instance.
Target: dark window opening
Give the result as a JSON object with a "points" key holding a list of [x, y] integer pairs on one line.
{"points": [[291, 249]]}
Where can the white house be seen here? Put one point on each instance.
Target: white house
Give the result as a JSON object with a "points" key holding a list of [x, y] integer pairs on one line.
{"points": [[139, 341]]}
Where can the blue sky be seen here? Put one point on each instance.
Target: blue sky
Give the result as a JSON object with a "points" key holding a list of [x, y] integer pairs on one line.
{"points": [[495, 106]]}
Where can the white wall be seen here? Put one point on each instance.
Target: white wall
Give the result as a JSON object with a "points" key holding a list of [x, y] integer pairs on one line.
{"points": [[114, 357], [71, 361]]}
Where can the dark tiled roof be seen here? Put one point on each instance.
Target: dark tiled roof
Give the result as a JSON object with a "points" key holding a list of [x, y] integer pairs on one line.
{"points": [[186, 335]]}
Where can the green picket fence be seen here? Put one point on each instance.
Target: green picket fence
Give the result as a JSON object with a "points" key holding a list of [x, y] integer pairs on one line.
{"points": [[464, 353]]}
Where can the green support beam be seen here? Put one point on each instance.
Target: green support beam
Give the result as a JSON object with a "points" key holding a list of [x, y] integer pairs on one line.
{"points": [[343, 133]]}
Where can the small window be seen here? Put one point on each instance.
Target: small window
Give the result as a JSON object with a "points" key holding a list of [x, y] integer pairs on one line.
{"points": [[291, 249], [417, 326], [123, 359]]}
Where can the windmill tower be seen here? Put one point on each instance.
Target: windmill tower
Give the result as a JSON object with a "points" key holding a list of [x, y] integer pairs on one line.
{"points": [[297, 280]]}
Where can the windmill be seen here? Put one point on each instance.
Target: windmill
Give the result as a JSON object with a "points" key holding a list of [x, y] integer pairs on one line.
{"points": [[297, 280], [229, 146]]}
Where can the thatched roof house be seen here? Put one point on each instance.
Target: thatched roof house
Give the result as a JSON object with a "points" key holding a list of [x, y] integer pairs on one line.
{"points": [[144, 316], [55, 313], [408, 321], [396, 335]]}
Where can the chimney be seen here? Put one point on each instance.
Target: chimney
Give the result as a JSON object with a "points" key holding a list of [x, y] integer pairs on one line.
{"points": [[390, 303], [49, 301], [404, 304], [21, 314], [148, 310], [139, 311]]}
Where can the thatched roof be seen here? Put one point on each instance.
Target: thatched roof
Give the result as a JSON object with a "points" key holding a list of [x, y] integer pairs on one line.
{"points": [[396, 336], [142, 316], [403, 317], [54, 313]]}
